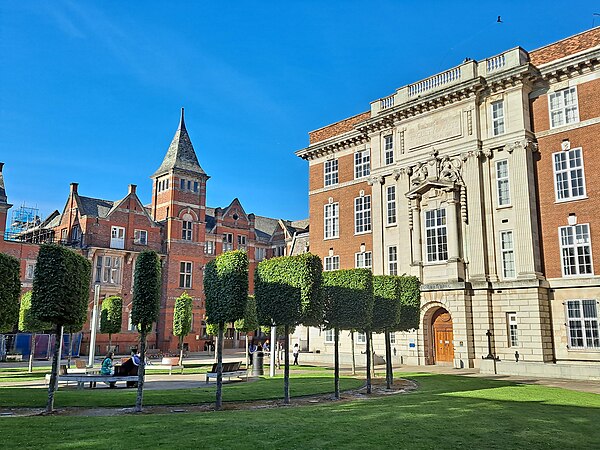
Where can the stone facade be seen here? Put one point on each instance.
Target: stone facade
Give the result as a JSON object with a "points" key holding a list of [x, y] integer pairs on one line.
{"points": [[462, 196]]}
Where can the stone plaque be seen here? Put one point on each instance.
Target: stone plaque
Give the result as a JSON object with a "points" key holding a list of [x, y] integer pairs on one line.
{"points": [[436, 128]]}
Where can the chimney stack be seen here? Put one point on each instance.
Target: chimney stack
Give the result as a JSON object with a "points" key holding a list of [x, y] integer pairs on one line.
{"points": [[74, 188], [132, 188]]}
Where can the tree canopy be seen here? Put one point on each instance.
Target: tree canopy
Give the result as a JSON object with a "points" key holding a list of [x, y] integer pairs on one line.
{"points": [[348, 299], [10, 288], [111, 315], [226, 286], [182, 315], [146, 291], [250, 320], [27, 322]]}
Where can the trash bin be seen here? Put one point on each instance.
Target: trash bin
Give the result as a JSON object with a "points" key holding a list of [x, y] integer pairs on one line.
{"points": [[257, 364]]}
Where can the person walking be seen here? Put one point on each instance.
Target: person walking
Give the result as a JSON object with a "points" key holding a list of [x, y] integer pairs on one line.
{"points": [[295, 352]]}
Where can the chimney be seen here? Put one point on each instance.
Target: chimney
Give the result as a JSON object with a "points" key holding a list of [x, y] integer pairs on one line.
{"points": [[1, 166], [74, 188], [132, 188]]}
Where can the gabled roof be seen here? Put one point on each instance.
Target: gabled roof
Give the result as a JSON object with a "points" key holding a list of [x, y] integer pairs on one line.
{"points": [[94, 207], [181, 154]]}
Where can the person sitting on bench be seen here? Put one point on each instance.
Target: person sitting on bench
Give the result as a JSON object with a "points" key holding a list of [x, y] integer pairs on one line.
{"points": [[107, 367]]}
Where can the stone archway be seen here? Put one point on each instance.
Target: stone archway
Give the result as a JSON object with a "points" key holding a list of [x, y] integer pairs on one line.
{"points": [[441, 344]]}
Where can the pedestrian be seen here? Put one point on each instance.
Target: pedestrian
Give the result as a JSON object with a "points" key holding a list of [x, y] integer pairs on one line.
{"points": [[252, 350], [107, 364], [295, 352], [265, 346]]}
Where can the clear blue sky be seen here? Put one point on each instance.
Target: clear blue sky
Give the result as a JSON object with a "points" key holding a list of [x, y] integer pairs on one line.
{"points": [[90, 92]]}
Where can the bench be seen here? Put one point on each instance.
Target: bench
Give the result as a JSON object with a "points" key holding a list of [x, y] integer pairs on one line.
{"points": [[82, 378], [81, 367], [231, 369], [165, 363], [153, 353]]}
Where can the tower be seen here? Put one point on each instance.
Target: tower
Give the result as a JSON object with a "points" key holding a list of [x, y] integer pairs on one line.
{"points": [[4, 205]]}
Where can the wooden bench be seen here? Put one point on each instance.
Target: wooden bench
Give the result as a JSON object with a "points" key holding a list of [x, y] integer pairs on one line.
{"points": [[82, 378], [165, 363], [231, 369]]}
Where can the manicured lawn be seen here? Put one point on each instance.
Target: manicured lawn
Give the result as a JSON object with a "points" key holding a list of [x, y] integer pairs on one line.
{"points": [[446, 412]]}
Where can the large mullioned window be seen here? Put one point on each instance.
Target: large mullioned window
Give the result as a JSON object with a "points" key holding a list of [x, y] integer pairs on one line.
{"points": [[436, 235]]}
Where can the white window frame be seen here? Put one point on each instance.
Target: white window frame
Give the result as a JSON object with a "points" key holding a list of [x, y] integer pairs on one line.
{"points": [[392, 258], [331, 222], [30, 270], [109, 269], [363, 260], [503, 184], [187, 230], [362, 214], [572, 155], [392, 337], [497, 117], [331, 176], [328, 336], [241, 242], [361, 338], [391, 215], [512, 329], [331, 263], [436, 236], [388, 149], [575, 251], [587, 325], [561, 108], [259, 253], [507, 252], [117, 237], [362, 164], [140, 237], [209, 248], [185, 274]]}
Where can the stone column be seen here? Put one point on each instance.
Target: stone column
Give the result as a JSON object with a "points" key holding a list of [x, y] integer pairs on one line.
{"points": [[416, 231], [452, 227]]}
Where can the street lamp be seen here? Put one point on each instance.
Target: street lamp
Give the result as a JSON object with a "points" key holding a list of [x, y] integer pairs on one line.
{"points": [[94, 325]]}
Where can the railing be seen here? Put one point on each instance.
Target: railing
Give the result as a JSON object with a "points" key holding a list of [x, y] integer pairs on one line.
{"points": [[386, 102], [434, 82], [495, 62]]}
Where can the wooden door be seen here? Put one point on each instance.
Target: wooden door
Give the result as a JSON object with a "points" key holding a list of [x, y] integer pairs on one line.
{"points": [[443, 336]]}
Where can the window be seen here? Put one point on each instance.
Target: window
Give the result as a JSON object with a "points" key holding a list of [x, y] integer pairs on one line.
{"points": [[75, 234], [332, 263], [391, 205], [241, 242], [185, 274], [332, 220], [195, 186], [392, 338], [497, 118], [331, 172], [108, 269], [227, 242], [508, 254], [30, 270], [568, 174], [186, 230], [130, 325], [563, 107], [63, 235], [182, 184], [362, 164], [364, 260], [329, 338], [435, 229], [511, 322], [189, 185], [583, 324], [361, 338], [362, 214], [279, 250], [576, 250], [388, 147], [140, 237], [260, 254], [117, 237], [502, 183], [209, 247], [393, 260]]}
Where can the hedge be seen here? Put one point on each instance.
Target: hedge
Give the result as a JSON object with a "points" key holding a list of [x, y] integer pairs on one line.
{"points": [[410, 303], [226, 286], [10, 288], [348, 299], [386, 302]]}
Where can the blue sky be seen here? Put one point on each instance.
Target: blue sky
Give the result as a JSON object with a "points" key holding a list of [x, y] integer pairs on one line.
{"points": [[90, 92]]}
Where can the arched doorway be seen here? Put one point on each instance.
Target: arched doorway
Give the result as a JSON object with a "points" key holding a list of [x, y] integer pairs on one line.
{"points": [[443, 336]]}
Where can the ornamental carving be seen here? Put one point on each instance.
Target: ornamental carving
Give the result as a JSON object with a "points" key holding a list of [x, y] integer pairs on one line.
{"points": [[437, 168]]}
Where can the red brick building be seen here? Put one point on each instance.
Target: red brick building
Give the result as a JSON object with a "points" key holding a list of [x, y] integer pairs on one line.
{"points": [[177, 224]]}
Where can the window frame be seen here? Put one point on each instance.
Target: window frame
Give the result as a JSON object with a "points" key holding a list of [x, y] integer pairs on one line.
{"points": [[328, 336], [499, 121], [187, 230], [332, 174], [361, 338], [333, 220], [563, 108], [137, 234], [576, 256], [111, 274], [330, 263], [501, 181], [438, 256], [388, 149], [392, 264], [391, 206], [185, 274], [582, 319], [360, 260], [512, 327], [504, 252], [362, 166], [568, 171], [362, 214], [209, 248]]}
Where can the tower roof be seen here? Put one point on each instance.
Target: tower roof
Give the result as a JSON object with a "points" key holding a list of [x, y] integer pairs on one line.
{"points": [[3, 198], [181, 154]]}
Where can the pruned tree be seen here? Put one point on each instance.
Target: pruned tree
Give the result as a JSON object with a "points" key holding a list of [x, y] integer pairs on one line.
{"points": [[212, 329], [348, 305], [145, 308], [29, 324], [226, 290], [288, 292], [248, 323], [111, 317], [10, 289], [60, 295], [182, 320], [410, 303]]}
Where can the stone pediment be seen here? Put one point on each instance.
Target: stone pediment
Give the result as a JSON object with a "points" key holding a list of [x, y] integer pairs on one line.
{"points": [[440, 172], [427, 186]]}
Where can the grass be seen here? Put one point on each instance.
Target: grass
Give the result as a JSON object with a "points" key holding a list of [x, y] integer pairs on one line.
{"points": [[446, 412]]}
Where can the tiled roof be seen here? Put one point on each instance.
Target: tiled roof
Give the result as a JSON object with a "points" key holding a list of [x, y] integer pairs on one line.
{"points": [[181, 154], [94, 207], [300, 224], [565, 47]]}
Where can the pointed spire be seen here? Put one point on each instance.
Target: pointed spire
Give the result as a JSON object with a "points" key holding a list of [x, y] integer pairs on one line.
{"points": [[3, 198], [181, 154]]}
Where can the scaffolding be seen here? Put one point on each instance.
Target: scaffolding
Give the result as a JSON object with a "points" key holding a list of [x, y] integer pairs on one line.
{"points": [[23, 219]]}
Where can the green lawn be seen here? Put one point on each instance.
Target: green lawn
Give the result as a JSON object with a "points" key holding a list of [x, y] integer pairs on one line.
{"points": [[446, 412]]}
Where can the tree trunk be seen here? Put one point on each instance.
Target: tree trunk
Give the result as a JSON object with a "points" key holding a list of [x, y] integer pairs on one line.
{"points": [[141, 371], [54, 373], [217, 342], [31, 353], [336, 363], [353, 357], [286, 369], [70, 352], [181, 351], [219, 397], [388, 361], [368, 352], [371, 349]]}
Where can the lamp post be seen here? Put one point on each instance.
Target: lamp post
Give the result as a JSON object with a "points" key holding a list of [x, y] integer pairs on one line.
{"points": [[94, 325]]}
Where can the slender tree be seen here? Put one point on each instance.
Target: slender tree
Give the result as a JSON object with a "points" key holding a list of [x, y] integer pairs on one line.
{"points": [[226, 290], [60, 294], [28, 324], [145, 308], [10, 288], [182, 320], [348, 305], [248, 323], [288, 292], [111, 317]]}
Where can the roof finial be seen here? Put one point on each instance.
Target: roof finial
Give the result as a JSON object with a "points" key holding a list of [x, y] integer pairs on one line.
{"points": [[182, 121]]}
